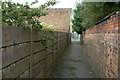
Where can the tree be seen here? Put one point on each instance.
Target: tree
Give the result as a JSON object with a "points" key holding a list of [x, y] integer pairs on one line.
{"points": [[77, 19], [93, 12], [87, 14], [20, 15]]}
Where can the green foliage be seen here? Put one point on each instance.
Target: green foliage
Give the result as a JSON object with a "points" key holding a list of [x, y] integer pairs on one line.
{"points": [[87, 14], [20, 15], [46, 38], [77, 19], [47, 27], [93, 12]]}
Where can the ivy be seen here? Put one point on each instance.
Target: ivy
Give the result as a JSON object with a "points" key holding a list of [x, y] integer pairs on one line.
{"points": [[46, 38]]}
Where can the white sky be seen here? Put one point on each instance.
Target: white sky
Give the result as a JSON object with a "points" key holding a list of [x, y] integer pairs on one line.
{"points": [[61, 4]]}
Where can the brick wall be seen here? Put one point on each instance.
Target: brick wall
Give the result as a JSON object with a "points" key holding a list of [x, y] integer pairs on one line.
{"points": [[102, 42], [59, 17], [23, 59]]}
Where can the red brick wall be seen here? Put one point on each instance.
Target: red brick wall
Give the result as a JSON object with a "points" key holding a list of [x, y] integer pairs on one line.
{"points": [[59, 17], [102, 44]]}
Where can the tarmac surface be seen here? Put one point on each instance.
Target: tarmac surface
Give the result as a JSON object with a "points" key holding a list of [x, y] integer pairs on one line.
{"points": [[74, 64]]}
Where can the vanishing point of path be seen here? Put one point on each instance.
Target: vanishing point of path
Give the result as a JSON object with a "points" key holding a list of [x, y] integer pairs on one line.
{"points": [[74, 64]]}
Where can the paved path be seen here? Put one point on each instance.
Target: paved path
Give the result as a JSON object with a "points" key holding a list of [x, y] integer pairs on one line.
{"points": [[73, 40], [75, 64]]}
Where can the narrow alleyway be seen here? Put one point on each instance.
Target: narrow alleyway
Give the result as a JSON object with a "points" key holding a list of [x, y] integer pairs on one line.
{"points": [[75, 64]]}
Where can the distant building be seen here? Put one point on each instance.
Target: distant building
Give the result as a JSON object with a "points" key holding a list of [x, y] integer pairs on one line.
{"points": [[58, 17], [75, 35]]}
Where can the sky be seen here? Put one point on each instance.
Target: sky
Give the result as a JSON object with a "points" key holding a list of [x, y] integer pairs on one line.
{"points": [[61, 4]]}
